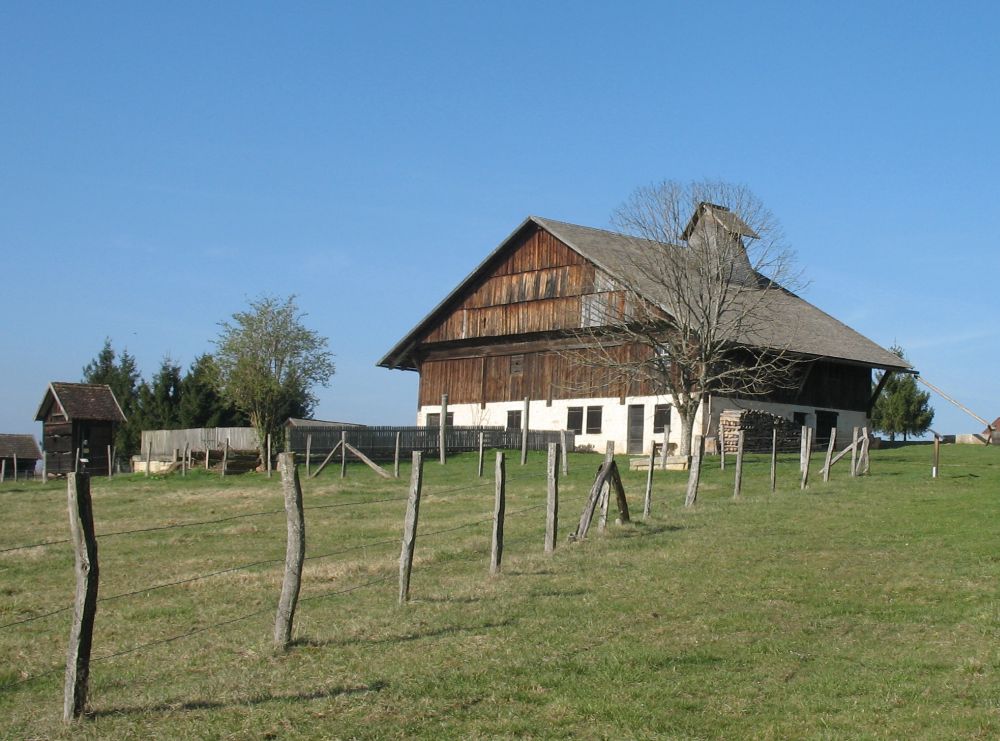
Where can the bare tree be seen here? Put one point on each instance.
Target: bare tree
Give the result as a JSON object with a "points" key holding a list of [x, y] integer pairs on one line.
{"points": [[695, 285]]}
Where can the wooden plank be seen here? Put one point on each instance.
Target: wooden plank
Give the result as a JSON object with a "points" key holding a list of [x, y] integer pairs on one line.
{"points": [[410, 526], [81, 636], [524, 430], [295, 550], [552, 499], [694, 475], [368, 461], [829, 454], [499, 508], [395, 456], [328, 458], [647, 500]]}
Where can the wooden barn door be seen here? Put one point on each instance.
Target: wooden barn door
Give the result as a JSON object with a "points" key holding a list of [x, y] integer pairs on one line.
{"points": [[636, 428]]}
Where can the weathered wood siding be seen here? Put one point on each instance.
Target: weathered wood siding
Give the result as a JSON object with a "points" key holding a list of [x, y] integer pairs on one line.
{"points": [[542, 285]]}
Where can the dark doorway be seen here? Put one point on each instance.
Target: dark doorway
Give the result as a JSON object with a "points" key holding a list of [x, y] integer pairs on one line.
{"points": [[636, 427], [825, 421]]}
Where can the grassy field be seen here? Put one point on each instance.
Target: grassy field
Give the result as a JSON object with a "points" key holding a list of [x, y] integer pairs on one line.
{"points": [[860, 608]]}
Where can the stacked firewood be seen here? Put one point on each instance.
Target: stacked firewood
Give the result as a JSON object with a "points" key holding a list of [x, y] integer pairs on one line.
{"points": [[757, 428]]}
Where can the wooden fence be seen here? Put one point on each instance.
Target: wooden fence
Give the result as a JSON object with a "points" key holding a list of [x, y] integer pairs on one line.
{"points": [[379, 443], [165, 442]]}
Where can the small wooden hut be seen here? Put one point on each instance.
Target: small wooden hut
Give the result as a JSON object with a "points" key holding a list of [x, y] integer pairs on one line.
{"points": [[19, 455], [78, 421]]}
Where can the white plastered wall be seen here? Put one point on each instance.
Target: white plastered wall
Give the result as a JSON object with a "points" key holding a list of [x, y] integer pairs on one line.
{"points": [[614, 423]]}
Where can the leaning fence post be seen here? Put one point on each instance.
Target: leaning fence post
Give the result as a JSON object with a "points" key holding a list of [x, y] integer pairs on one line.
{"points": [[854, 452], [295, 550], [395, 456], [410, 526], [81, 635], [864, 461], [738, 483], [552, 501], [268, 455], [309, 445], [774, 458], [647, 502], [829, 454], [524, 430], [807, 451], [937, 455], [565, 454], [609, 457], [499, 506], [694, 475]]}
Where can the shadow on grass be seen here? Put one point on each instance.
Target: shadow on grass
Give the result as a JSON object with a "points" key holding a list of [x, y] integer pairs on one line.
{"points": [[641, 530], [406, 637], [260, 699]]}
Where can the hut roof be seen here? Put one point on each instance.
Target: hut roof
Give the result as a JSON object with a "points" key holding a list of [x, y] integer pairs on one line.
{"points": [[24, 447], [296, 422], [81, 401]]}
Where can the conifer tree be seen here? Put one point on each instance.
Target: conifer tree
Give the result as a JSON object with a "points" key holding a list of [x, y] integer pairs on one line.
{"points": [[902, 408]]}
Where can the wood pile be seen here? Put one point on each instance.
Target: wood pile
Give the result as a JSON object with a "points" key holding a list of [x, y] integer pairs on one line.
{"points": [[757, 427]]}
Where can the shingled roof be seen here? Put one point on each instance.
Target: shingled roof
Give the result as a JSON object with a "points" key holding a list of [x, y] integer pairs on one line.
{"points": [[797, 325], [25, 447], [81, 401]]}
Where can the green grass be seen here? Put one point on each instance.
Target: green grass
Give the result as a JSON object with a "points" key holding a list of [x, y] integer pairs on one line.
{"points": [[864, 608]]}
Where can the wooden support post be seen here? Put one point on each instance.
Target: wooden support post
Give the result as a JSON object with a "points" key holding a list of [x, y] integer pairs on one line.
{"points": [[149, 454], [803, 442], [864, 461], [854, 452], [81, 636], [524, 430], [774, 458], [937, 455], [368, 462], [666, 444], [3, 470], [588, 509], [722, 450], [738, 483], [563, 452], [647, 500], [616, 482], [499, 507], [807, 449], [208, 454], [45, 466], [309, 446], [828, 464], [694, 475], [225, 457], [552, 501], [111, 458], [295, 550], [343, 453], [410, 526], [185, 461], [443, 429], [395, 455], [268, 458], [15, 467], [602, 520], [480, 466], [329, 457]]}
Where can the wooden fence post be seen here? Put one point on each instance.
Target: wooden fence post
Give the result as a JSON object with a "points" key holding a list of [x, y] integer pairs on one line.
{"points": [[738, 483], [111, 471], [807, 448], [225, 457], [666, 444], [268, 463], [309, 445], [722, 451], [647, 502], [552, 501], [937, 455], [149, 454], [564, 453], [480, 467], [395, 456], [829, 454], [443, 429], [410, 526], [609, 456], [3, 470], [694, 475], [854, 452], [343, 453], [774, 458], [524, 430], [802, 449], [295, 550], [81, 636], [499, 506], [864, 461]]}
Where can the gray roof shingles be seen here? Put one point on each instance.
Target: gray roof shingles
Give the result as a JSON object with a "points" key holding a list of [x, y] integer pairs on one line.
{"points": [[90, 401], [25, 447]]}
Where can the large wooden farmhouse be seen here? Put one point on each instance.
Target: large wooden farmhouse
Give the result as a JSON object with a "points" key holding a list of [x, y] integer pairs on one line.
{"points": [[506, 332]]}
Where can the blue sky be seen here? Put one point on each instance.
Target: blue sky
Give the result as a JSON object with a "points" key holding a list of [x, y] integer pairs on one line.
{"points": [[161, 164]]}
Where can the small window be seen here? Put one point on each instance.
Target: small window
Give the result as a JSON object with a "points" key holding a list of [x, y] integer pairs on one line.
{"points": [[594, 420], [434, 419], [661, 417], [574, 420], [516, 364], [514, 419]]}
